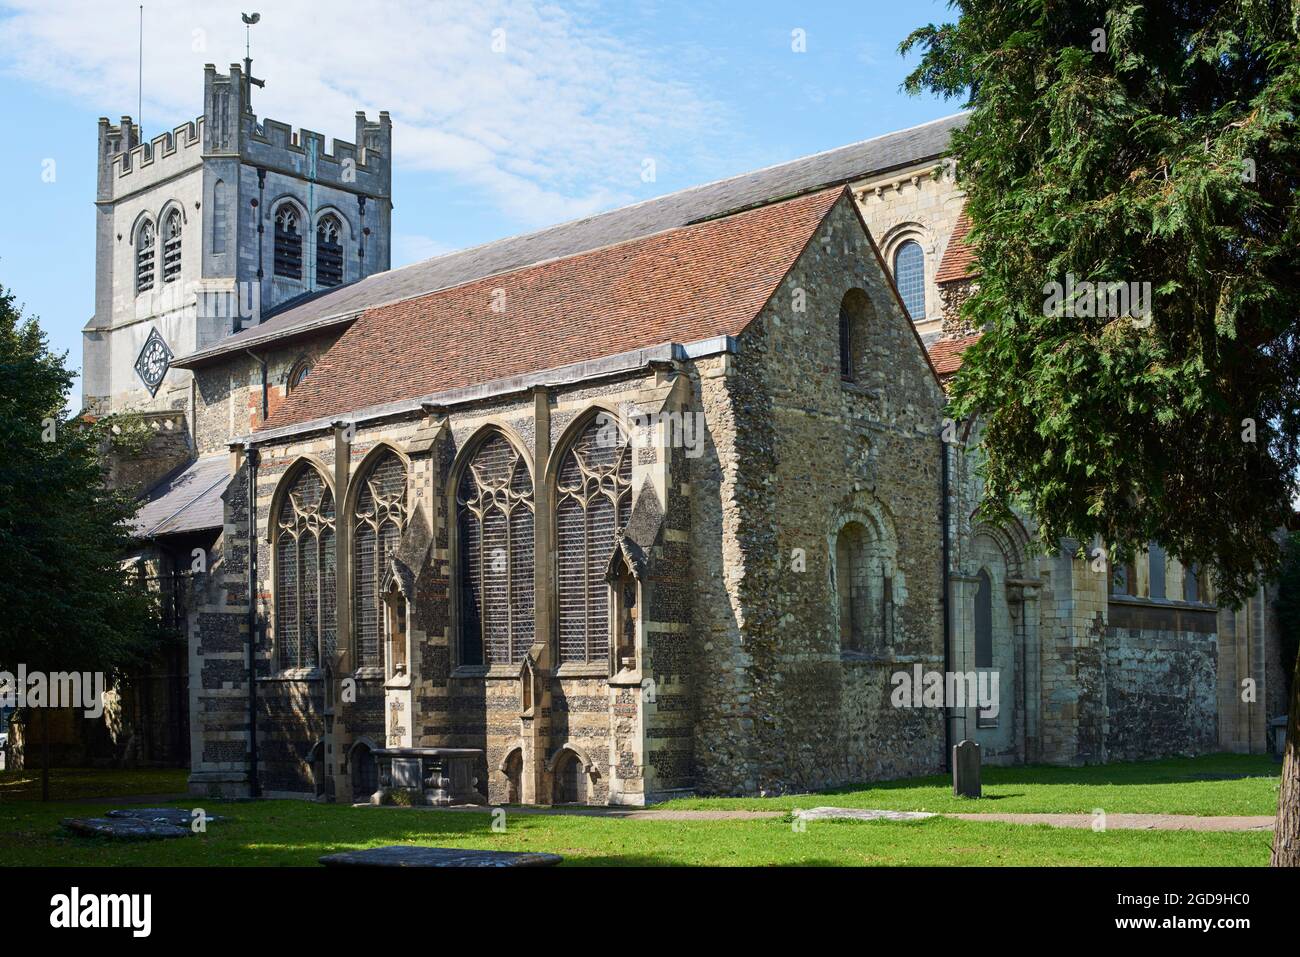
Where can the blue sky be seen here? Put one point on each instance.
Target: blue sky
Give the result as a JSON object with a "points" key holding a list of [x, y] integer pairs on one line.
{"points": [[507, 116]]}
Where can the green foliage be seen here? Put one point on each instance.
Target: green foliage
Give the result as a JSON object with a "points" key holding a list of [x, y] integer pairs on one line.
{"points": [[1288, 605], [70, 603], [1133, 164]]}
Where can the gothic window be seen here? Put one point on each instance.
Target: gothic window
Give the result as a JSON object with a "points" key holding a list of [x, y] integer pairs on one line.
{"points": [[593, 499], [379, 518], [288, 242], [329, 252], [1156, 571], [855, 314], [909, 276], [144, 258], [494, 513], [304, 572], [297, 374], [984, 621], [172, 246]]}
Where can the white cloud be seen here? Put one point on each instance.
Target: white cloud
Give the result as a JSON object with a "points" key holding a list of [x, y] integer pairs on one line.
{"points": [[412, 247], [555, 125]]}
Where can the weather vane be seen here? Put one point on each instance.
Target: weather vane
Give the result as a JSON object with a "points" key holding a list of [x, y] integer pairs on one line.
{"points": [[249, 80]]}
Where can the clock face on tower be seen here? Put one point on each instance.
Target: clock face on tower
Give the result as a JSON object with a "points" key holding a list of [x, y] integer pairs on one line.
{"points": [[153, 362]]}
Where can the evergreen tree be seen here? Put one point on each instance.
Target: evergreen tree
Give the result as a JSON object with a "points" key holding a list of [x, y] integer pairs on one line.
{"points": [[1145, 142], [70, 603]]}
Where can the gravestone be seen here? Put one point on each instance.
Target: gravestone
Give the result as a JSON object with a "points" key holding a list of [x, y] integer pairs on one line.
{"points": [[966, 769], [123, 828], [859, 814], [407, 855], [177, 816]]}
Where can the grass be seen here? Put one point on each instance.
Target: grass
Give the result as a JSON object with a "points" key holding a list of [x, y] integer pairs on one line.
{"points": [[277, 833], [1213, 785]]}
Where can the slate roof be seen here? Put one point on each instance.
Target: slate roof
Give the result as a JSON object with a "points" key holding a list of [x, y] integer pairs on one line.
{"points": [[684, 285], [807, 174], [188, 501]]}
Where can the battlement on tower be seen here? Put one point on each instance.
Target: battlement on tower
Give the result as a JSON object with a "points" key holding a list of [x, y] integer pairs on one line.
{"points": [[127, 164], [359, 164]]}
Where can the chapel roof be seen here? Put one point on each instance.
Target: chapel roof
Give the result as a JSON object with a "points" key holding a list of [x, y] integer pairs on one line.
{"points": [[682, 285], [343, 305]]}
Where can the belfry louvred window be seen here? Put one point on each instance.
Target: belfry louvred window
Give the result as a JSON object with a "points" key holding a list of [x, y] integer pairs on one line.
{"points": [[494, 506], [593, 499], [144, 257], [288, 242], [379, 518], [305, 620], [172, 246], [329, 252]]}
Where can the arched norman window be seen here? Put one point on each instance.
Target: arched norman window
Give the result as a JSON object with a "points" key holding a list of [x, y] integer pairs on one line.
{"points": [[172, 246], [288, 242], [494, 514], [144, 257], [864, 588], [909, 276], [378, 521], [329, 251], [593, 498], [304, 572], [855, 314]]}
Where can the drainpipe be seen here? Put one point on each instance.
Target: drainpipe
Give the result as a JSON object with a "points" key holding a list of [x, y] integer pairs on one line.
{"points": [[254, 785], [947, 612], [257, 217]]}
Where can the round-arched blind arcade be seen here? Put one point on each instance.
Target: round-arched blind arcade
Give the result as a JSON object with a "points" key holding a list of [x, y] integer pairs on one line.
{"points": [[378, 521], [909, 276], [304, 564], [593, 499], [494, 513]]}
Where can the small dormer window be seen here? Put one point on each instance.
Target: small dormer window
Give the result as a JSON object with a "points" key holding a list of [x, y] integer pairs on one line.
{"points": [[172, 246], [329, 252], [288, 243], [144, 263]]}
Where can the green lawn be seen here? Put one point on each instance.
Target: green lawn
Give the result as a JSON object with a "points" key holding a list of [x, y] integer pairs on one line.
{"points": [[271, 833], [1217, 784]]}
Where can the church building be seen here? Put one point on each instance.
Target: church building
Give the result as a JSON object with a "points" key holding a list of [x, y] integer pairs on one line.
{"points": [[652, 503]]}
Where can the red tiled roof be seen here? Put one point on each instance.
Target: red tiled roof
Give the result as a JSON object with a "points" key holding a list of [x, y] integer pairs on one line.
{"points": [[946, 354], [959, 258], [681, 285]]}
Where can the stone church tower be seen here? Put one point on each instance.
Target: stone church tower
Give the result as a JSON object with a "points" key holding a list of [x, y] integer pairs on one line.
{"points": [[210, 228]]}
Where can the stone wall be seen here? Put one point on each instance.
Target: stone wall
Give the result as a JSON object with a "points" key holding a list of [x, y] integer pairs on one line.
{"points": [[807, 453]]}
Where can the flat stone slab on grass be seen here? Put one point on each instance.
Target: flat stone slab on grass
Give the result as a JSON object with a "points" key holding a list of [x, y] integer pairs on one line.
{"points": [[177, 816], [407, 855], [123, 828], [859, 814]]}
